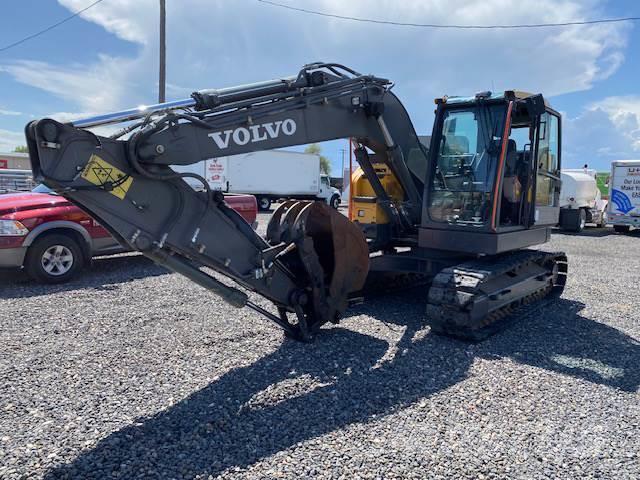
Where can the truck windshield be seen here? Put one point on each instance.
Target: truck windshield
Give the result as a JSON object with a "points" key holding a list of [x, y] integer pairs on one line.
{"points": [[467, 158]]}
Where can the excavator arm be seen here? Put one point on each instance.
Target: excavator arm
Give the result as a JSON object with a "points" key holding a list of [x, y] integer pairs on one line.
{"points": [[313, 258]]}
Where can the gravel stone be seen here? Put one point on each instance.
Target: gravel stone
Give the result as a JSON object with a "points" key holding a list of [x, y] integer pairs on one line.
{"points": [[132, 372]]}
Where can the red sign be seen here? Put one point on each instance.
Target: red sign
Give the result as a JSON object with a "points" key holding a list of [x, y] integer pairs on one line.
{"points": [[3, 163], [214, 166]]}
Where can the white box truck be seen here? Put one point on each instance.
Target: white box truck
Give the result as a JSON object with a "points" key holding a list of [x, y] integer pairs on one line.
{"points": [[580, 200], [269, 175], [624, 195]]}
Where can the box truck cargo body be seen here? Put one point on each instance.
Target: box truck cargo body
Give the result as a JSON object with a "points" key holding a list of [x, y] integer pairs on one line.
{"points": [[624, 195], [269, 175]]}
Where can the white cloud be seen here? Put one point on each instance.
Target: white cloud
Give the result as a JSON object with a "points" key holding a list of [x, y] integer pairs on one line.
{"points": [[64, 117], [11, 113], [624, 113], [606, 130], [10, 140], [216, 43], [94, 87], [127, 19]]}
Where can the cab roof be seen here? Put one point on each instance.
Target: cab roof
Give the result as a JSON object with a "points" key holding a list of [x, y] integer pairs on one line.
{"points": [[487, 96]]}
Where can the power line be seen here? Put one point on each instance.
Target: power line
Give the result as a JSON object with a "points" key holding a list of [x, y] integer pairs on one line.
{"points": [[437, 25], [51, 27]]}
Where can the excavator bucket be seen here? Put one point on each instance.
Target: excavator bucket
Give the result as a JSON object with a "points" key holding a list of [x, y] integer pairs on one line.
{"points": [[331, 250]]}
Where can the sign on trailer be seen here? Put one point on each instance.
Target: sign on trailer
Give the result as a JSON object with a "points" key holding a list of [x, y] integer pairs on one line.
{"points": [[624, 207]]}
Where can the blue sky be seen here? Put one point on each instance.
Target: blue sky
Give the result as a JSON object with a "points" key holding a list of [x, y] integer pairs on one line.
{"points": [[106, 59]]}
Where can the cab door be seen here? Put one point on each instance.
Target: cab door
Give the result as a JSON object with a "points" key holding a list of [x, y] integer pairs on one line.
{"points": [[547, 154]]}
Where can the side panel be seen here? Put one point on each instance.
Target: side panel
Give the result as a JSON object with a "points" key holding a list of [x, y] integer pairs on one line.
{"points": [[480, 242], [624, 193], [547, 215], [270, 172], [624, 188], [274, 173]]}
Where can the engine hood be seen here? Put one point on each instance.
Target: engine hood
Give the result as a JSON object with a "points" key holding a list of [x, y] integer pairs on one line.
{"points": [[18, 202]]}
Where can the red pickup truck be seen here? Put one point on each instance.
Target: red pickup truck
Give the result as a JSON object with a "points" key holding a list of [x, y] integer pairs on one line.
{"points": [[52, 239]]}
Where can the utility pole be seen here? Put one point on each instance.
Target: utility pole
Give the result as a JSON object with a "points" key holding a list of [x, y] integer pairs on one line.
{"points": [[343, 151], [163, 54]]}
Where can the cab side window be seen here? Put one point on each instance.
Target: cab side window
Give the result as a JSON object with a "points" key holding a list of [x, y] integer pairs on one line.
{"points": [[548, 154]]}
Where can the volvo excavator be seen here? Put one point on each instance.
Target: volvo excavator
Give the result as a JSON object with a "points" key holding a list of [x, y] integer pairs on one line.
{"points": [[459, 212]]}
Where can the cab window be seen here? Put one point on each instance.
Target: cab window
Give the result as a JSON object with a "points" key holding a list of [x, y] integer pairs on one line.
{"points": [[547, 158], [467, 156]]}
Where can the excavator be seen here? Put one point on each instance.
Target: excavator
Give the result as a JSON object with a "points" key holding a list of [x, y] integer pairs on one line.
{"points": [[459, 212]]}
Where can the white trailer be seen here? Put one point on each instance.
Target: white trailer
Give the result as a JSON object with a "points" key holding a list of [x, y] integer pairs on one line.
{"points": [[580, 200], [269, 175], [624, 195]]}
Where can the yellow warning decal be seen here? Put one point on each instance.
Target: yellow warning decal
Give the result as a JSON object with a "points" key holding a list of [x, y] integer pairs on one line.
{"points": [[101, 173]]}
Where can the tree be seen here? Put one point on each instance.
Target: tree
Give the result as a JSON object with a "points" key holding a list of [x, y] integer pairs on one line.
{"points": [[21, 149], [325, 164]]}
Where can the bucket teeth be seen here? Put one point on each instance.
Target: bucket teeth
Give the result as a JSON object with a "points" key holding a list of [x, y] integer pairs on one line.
{"points": [[330, 250]]}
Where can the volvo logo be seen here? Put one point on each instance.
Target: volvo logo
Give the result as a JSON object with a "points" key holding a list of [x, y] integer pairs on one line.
{"points": [[255, 133]]}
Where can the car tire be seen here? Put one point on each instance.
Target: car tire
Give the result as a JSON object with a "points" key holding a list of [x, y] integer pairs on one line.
{"points": [[264, 204], [335, 201], [54, 258], [621, 228]]}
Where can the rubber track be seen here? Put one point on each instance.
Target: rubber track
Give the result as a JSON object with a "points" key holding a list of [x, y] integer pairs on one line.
{"points": [[386, 283], [454, 291]]}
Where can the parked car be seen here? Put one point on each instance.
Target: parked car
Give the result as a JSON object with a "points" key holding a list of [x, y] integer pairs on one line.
{"points": [[52, 239]]}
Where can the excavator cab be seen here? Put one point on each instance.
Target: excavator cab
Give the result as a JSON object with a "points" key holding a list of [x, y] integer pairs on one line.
{"points": [[494, 178]]}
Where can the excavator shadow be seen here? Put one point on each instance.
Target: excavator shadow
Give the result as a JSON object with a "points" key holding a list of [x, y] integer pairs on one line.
{"points": [[102, 274], [596, 232], [229, 424]]}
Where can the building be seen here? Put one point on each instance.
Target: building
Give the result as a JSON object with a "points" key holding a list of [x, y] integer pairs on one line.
{"points": [[16, 161]]}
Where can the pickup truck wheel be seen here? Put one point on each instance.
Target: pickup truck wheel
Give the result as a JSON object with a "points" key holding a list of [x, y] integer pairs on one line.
{"points": [[54, 259], [264, 204], [335, 202], [621, 228]]}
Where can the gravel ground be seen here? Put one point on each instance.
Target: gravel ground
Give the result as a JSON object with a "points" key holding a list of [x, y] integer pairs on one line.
{"points": [[130, 372]]}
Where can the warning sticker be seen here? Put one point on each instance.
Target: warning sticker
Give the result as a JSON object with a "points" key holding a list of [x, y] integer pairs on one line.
{"points": [[101, 173]]}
